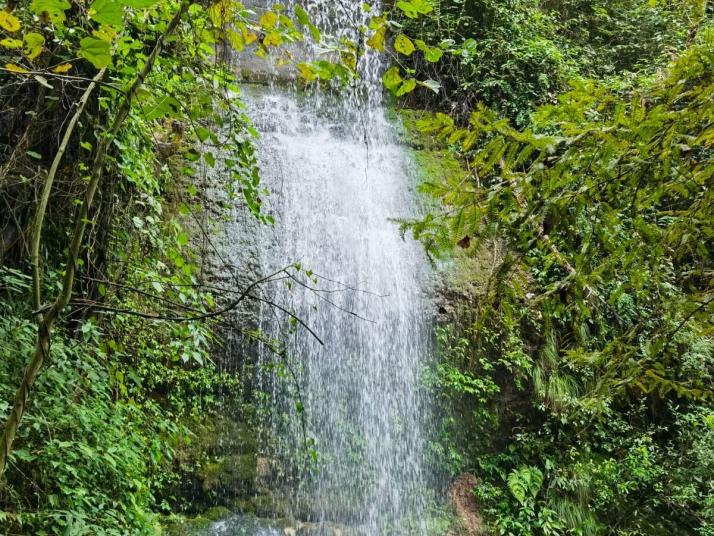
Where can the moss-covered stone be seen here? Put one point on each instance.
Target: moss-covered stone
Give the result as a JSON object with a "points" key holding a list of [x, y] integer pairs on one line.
{"points": [[233, 474], [219, 462]]}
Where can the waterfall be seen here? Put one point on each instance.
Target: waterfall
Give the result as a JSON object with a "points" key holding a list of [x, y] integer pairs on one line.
{"points": [[337, 177]]}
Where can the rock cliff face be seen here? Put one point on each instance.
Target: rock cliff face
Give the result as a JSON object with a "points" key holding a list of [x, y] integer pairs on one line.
{"points": [[221, 462]]}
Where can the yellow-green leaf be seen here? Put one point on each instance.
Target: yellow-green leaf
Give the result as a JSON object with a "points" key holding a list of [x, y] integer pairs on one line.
{"points": [[108, 12], [33, 45], [218, 12], [268, 19], [404, 45], [431, 54], [414, 8], [273, 39], [406, 87], [302, 16], [377, 39], [306, 72], [248, 36], [10, 43], [392, 79], [53, 8], [63, 68], [9, 22], [236, 39], [15, 68]]}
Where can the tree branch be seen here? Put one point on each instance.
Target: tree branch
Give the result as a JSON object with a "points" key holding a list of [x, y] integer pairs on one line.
{"points": [[47, 190]]}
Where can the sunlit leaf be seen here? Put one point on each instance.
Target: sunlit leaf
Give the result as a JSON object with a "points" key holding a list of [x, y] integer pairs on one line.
{"points": [[414, 8], [33, 45], [268, 20], [376, 41], [392, 79], [96, 51], [406, 87], [404, 45], [10, 43], [9, 22], [53, 8], [15, 68], [109, 12]]}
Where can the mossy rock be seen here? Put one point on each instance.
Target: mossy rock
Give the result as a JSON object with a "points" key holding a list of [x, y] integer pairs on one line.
{"points": [[265, 505], [233, 474], [220, 434]]}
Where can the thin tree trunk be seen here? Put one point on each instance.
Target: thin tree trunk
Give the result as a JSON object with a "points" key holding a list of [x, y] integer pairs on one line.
{"points": [[47, 190], [47, 318]]}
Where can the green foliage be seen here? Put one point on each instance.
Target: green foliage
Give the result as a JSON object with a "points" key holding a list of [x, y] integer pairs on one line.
{"points": [[518, 54], [85, 460], [604, 202], [524, 483], [590, 311], [100, 443]]}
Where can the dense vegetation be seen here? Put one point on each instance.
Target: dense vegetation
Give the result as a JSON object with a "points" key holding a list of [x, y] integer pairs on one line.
{"points": [[576, 356], [112, 114], [576, 379]]}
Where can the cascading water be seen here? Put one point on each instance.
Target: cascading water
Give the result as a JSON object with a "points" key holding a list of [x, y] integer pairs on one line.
{"points": [[336, 177]]}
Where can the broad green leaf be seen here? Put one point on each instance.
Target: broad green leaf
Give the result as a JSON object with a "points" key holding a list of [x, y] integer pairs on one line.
{"points": [[96, 51], [202, 133], [377, 22], [139, 4], [54, 8], [404, 45], [110, 12], [161, 107], [406, 87], [431, 54], [126, 44], [392, 79], [414, 8]]}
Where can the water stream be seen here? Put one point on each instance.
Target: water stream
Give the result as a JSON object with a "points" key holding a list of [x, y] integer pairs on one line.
{"points": [[348, 420]]}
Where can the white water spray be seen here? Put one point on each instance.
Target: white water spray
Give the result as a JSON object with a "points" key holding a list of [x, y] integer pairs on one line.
{"points": [[337, 177]]}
